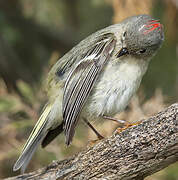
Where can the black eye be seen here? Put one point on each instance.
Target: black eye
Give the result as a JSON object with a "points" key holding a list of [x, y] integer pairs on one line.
{"points": [[142, 51]]}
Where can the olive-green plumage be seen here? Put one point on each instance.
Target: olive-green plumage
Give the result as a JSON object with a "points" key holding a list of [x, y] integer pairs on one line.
{"points": [[97, 77]]}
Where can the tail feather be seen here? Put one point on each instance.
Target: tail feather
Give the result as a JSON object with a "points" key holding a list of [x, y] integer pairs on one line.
{"points": [[35, 138], [28, 155], [51, 135]]}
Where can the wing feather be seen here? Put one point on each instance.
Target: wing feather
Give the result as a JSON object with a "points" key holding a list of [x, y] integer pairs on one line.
{"points": [[80, 81]]}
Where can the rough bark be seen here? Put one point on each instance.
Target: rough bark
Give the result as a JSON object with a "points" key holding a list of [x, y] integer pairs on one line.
{"points": [[134, 153]]}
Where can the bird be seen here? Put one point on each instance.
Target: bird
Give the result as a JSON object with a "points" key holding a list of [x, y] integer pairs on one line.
{"points": [[94, 79]]}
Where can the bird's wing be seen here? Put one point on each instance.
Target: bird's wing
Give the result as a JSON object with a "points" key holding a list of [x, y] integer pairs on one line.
{"points": [[80, 81]]}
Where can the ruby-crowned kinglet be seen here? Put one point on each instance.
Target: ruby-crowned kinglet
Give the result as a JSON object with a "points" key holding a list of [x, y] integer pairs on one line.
{"points": [[97, 77]]}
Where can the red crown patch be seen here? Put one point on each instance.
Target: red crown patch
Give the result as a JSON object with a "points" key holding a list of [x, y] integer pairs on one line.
{"points": [[152, 25]]}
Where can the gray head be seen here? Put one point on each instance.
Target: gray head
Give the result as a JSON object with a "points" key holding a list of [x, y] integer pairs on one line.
{"points": [[142, 36]]}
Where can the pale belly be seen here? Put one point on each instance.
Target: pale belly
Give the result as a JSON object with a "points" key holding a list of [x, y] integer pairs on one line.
{"points": [[114, 89]]}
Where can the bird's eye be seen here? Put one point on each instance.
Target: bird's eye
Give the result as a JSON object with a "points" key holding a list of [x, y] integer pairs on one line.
{"points": [[142, 51]]}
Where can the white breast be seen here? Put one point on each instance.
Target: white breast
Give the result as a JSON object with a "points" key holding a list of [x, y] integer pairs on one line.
{"points": [[115, 87]]}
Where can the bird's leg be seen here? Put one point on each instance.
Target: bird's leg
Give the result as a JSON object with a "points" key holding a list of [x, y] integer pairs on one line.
{"points": [[114, 119], [93, 129], [124, 124]]}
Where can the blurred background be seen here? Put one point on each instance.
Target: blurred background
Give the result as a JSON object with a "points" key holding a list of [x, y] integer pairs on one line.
{"points": [[35, 34]]}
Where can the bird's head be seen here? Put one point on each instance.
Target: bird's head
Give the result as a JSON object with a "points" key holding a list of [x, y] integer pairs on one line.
{"points": [[142, 37]]}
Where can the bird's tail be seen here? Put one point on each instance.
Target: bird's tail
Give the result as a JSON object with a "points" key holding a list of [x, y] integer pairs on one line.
{"points": [[35, 138]]}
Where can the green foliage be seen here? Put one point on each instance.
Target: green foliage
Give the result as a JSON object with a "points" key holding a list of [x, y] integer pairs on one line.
{"points": [[6, 104]]}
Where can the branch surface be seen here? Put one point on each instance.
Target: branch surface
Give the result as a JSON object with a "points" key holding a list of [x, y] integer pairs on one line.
{"points": [[135, 153]]}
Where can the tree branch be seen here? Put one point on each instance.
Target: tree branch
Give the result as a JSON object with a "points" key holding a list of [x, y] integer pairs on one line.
{"points": [[135, 153]]}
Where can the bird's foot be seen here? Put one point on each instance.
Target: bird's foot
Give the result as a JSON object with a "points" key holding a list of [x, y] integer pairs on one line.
{"points": [[95, 141], [127, 125]]}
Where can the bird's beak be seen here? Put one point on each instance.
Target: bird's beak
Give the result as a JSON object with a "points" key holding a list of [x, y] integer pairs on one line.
{"points": [[122, 52]]}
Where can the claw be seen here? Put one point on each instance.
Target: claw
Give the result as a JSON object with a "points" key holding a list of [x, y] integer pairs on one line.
{"points": [[127, 125], [93, 142]]}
